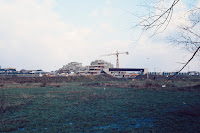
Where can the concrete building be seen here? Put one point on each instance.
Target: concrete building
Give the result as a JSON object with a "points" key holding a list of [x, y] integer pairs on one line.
{"points": [[8, 71], [71, 67], [97, 66], [83, 71], [193, 73], [23, 71], [126, 72], [100, 66]]}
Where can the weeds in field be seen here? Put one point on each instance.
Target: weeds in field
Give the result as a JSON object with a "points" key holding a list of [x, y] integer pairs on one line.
{"points": [[43, 84], [3, 101], [124, 106], [1, 85]]}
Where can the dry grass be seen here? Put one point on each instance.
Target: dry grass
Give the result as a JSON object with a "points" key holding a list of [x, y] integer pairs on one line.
{"points": [[87, 107], [54, 84], [44, 84], [20, 85], [127, 84], [50, 95], [26, 96]]}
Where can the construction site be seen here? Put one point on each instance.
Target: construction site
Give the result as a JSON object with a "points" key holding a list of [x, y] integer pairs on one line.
{"points": [[98, 98], [98, 67]]}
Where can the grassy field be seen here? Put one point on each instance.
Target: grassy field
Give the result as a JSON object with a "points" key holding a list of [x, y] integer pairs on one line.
{"points": [[104, 106]]}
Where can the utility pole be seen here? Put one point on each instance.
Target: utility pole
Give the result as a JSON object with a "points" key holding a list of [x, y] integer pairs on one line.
{"points": [[147, 68]]}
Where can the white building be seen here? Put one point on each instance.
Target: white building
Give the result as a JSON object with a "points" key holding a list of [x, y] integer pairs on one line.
{"points": [[126, 72], [95, 68], [71, 67]]}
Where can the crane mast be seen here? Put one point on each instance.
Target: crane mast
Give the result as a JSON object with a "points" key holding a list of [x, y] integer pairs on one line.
{"points": [[117, 54], [117, 62]]}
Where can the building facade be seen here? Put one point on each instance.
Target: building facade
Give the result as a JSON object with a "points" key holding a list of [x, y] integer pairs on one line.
{"points": [[72, 67], [97, 66]]}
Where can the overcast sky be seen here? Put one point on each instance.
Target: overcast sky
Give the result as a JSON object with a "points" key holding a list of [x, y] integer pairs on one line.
{"points": [[47, 34]]}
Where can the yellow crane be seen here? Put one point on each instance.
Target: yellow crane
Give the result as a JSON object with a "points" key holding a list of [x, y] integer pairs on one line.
{"points": [[117, 54]]}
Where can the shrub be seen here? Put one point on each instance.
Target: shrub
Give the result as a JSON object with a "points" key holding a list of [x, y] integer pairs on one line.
{"points": [[43, 84], [1, 85]]}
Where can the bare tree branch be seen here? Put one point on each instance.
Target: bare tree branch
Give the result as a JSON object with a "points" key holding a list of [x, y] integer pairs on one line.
{"points": [[158, 21], [184, 65], [188, 35]]}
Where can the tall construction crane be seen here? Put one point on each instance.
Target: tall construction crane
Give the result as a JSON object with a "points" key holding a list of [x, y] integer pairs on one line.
{"points": [[117, 54]]}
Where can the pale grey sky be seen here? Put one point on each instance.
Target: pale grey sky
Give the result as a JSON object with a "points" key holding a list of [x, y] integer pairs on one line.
{"points": [[47, 34]]}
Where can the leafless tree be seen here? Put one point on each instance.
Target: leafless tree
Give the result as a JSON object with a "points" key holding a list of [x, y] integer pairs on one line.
{"points": [[159, 16], [187, 36]]}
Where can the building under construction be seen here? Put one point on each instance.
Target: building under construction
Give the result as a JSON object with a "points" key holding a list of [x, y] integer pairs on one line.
{"points": [[98, 67]]}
